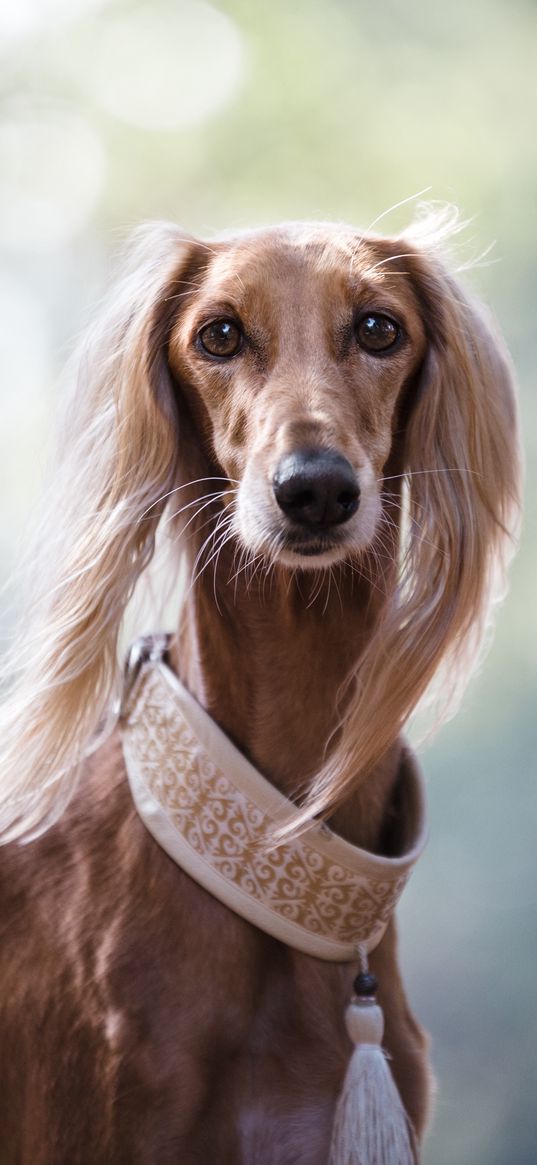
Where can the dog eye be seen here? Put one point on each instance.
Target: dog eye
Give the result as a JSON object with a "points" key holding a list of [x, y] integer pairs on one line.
{"points": [[376, 332], [221, 338]]}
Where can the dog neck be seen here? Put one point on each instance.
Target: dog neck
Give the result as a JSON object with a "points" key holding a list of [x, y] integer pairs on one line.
{"points": [[215, 815], [267, 656]]}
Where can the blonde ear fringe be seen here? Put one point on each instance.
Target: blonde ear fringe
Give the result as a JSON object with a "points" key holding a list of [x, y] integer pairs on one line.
{"points": [[115, 461]]}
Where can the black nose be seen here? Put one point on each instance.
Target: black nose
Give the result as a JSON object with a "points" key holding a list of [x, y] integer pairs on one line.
{"points": [[316, 488]]}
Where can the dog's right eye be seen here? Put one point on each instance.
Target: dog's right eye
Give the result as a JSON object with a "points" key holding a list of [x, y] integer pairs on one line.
{"points": [[377, 333], [221, 338]]}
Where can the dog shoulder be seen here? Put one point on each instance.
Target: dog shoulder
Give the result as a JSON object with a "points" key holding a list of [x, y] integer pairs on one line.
{"points": [[51, 883]]}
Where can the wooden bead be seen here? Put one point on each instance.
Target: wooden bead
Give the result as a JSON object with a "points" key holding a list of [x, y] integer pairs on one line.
{"points": [[365, 1023]]}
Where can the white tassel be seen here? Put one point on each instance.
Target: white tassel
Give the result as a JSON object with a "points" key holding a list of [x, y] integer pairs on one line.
{"points": [[371, 1126]]}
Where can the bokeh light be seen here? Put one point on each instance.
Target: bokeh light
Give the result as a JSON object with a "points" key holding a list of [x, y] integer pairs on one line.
{"points": [[27, 18], [53, 169], [162, 67]]}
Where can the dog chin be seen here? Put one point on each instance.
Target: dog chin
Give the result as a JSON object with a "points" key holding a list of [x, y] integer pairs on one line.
{"points": [[312, 555]]}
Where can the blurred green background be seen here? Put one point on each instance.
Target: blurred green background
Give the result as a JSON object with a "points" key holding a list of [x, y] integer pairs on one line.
{"points": [[239, 113]]}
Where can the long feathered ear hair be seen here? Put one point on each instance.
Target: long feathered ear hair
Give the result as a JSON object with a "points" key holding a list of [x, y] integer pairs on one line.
{"points": [[461, 466], [115, 464]]}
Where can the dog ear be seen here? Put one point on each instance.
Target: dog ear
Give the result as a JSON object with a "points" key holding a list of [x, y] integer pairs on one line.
{"points": [[461, 460], [115, 466]]}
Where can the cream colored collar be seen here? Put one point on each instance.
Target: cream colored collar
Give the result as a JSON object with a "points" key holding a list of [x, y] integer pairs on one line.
{"points": [[214, 814]]}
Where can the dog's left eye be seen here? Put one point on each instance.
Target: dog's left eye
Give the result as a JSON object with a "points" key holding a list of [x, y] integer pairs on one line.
{"points": [[376, 332], [221, 338]]}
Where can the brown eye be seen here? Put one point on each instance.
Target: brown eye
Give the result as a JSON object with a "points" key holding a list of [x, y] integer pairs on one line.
{"points": [[221, 338], [377, 333]]}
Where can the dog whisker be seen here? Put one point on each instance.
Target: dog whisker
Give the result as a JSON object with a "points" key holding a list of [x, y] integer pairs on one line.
{"points": [[389, 259], [201, 503], [423, 472], [396, 206], [185, 485]]}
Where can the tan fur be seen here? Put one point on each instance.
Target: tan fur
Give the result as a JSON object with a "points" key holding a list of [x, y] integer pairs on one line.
{"points": [[144, 1022]]}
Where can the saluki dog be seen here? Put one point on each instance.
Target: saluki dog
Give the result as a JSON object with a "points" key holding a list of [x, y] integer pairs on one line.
{"points": [[323, 422]]}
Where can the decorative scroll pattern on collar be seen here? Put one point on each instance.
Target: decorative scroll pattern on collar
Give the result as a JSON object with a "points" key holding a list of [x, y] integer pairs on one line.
{"points": [[215, 815]]}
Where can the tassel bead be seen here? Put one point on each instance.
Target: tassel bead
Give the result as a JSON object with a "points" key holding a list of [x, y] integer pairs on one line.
{"points": [[365, 1022], [365, 984]]}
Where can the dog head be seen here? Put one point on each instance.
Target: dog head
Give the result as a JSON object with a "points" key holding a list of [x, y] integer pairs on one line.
{"points": [[306, 372], [294, 353]]}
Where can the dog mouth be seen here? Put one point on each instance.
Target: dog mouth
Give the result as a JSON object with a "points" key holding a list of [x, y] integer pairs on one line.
{"points": [[320, 549], [311, 549]]}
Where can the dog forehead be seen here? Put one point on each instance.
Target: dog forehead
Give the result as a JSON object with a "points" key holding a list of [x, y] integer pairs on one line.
{"points": [[297, 254], [326, 265], [295, 247]]}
